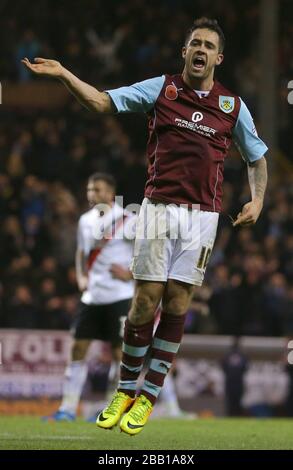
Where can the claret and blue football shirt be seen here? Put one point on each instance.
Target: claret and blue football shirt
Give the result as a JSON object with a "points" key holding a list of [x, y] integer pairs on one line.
{"points": [[189, 137]]}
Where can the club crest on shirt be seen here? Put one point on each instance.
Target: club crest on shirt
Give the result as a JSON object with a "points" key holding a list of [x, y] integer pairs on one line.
{"points": [[171, 92], [226, 103]]}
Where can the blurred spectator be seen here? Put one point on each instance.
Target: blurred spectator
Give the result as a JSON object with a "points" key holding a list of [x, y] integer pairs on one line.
{"points": [[234, 366], [48, 268], [287, 313], [54, 308], [28, 47], [33, 197], [11, 240], [224, 301], [22, 309], [8, 202], [274, 304], [198, 318]]}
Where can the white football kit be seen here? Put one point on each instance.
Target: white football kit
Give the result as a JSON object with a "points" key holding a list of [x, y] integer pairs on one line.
{"points": [[101, 252]]}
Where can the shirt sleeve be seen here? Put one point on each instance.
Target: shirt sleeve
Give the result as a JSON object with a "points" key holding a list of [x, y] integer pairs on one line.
{"points": [[245, 136], [80, 238], [139, 97]]}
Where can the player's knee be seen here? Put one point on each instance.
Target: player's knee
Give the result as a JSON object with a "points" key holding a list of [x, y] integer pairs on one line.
{"points": [[175, 305], [143, 308], [79, 350]]}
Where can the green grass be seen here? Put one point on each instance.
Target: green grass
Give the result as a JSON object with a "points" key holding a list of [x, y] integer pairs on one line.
{"points": [[162, 434]]}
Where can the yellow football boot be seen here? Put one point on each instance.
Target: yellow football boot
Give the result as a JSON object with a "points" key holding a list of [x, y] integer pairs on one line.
{"points": [[133, 422], [110, 416]]}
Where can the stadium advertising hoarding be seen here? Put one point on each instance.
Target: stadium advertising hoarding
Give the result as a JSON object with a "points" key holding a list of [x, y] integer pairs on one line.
{"points": [[33, 364]]}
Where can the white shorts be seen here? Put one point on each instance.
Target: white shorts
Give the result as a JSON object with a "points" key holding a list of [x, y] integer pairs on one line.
{"points": [[173, 242]]}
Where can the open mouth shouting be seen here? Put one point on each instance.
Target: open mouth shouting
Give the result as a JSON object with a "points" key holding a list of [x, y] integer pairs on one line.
{"points": [[198, 63]]}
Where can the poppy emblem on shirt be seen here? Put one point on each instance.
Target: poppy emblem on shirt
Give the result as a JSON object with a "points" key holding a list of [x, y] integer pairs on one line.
{"points": [[171, 92], [226, 103]]}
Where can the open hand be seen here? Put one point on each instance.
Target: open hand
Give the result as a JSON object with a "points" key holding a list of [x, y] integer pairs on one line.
{"points": [[49, 67], [121, 273]]}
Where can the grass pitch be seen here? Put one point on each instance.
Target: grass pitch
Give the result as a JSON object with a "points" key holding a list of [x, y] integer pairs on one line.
{"points": [[160, 434]]}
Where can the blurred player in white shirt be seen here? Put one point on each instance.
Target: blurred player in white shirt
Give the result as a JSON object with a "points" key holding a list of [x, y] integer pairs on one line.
{"points": [[102, 258]]}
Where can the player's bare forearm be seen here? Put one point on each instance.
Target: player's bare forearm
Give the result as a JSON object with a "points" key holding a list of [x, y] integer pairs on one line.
{"points": [[81, 273], [119, 272], [86, 94], [257, 177]]}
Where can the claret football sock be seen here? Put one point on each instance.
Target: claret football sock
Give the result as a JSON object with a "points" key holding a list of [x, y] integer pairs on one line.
{"points": [[137, 339], [165, 345]]}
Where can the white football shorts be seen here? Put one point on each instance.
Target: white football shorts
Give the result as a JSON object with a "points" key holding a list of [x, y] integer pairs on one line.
{"points": [[173, 242]]}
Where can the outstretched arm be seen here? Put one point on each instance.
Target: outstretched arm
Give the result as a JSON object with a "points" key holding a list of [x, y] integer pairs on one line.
{"points": [[257, 177], [87, 95], [81, 274]]}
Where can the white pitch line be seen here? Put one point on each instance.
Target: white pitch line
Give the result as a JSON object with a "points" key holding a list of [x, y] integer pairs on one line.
{"points": [[7, 436]]}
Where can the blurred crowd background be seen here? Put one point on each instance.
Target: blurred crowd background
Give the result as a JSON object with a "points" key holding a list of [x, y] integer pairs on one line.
{"points": [[47, 155]]}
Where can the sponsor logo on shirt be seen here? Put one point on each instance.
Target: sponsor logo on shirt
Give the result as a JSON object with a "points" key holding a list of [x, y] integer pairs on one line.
{"points": [[197, 116], [193, 126]]}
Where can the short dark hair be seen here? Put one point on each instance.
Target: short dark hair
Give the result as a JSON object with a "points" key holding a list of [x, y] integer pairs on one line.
{"points": [[106, 177], [212, 25]]}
